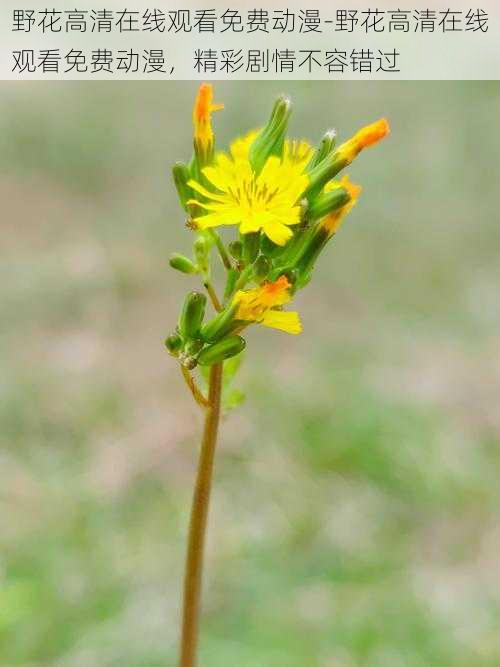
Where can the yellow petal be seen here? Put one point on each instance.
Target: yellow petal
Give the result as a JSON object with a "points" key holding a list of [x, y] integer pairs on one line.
{"points": [[277, 232], [240, 148], [206, 193], [215, 219], [284, 320]]}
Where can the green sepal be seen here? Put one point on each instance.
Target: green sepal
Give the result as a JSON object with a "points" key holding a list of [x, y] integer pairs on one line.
{"points": [[223, 349], [232, 277], [192, 315], [261, 268], [236, 248], [251, 245], [316, 240], [220, 325], [271, 249]]}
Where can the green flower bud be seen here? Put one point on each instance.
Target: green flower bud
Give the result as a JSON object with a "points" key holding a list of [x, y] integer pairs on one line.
{"points": [[223, 349], [251, 244], [182, 264], [236, 248], [182, 175], [261, 268], [201, 247], [270, 139], [328, 202], [326, 146], [173, 343], [220, 325], [192, 315]]}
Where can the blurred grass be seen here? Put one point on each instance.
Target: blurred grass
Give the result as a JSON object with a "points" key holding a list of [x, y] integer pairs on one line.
{"points": [[355, 514]]}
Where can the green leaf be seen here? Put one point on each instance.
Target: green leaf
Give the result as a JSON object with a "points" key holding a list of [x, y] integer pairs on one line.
{"points": [[233, 398]]}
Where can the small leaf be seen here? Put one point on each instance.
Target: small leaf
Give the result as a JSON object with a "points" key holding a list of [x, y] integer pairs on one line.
{"points": [[231, 367], [234, 398]]}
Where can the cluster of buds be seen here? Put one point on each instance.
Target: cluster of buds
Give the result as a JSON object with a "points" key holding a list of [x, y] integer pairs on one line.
{"points": [[283, 199]]}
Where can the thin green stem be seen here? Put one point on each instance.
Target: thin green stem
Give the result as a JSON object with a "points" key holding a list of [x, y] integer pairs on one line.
{"points": [[198, 523], [226, 260], [245, 276], [213, 295]]}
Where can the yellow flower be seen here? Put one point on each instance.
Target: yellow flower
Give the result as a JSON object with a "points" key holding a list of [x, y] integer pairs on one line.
{"points": [[367, 136], [332, 221], [202, 119], [259, 305], [269, 200]]}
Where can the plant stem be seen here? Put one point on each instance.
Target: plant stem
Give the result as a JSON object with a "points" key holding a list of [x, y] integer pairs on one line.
{"points": [[193, 388], [245, 276], [222, 250], [213, 296], [198, 523]]}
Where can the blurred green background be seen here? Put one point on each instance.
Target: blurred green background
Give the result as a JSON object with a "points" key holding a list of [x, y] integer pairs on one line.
{"points": [[355, 518]]}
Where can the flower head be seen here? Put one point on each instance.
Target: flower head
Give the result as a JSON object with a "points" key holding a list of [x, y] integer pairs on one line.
{"points": [[267, 201], [202, 121], [260, 305]]}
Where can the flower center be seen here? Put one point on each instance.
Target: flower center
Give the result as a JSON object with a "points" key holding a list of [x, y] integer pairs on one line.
{"points": [[251, 195]]}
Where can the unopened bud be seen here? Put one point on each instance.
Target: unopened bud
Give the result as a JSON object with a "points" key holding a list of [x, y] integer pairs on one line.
{"points": [[344, 155], [223, 349], [270, 139], [220, 325], [202, 122], [192, 315], [325, 147], [182, 264], [181, 176], [318, 236], [328, 202], [173, 343]]}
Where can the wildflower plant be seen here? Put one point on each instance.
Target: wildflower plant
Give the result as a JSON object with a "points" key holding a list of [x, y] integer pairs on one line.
{"points": [[283, 202]]}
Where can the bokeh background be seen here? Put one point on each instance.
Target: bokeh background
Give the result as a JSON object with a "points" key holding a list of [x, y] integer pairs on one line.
{"points": [[355, 518]]}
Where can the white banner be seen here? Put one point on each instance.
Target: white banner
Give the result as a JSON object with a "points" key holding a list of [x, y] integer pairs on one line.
{"points": [[161, 40]]}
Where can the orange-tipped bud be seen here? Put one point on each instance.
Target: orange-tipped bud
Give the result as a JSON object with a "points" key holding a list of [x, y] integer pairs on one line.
{"points": [[366, 136], [202, 122]]}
